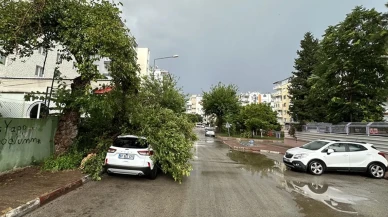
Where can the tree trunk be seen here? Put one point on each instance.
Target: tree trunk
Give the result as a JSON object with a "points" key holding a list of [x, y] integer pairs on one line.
{"points": [[68, 123]]}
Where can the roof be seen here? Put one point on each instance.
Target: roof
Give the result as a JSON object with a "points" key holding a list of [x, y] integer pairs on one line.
{"points": [[282, 80], [103, 90]]}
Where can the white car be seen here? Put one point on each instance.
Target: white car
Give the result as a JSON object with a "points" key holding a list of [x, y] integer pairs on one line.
{"points": [[131, 155], [210, 132], [329, 155]]}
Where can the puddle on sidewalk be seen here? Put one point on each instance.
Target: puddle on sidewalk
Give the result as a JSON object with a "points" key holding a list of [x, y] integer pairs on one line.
{"points": [[313, 196]]}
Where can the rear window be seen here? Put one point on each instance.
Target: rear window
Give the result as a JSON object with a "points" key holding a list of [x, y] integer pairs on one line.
{"points": [[130, 143]]}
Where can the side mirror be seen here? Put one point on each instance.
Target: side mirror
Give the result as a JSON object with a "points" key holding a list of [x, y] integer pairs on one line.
{"points": [[330, 151]]}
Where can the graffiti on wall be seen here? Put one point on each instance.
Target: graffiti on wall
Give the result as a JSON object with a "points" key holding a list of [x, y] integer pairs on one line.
{"points": [[13, 133]]}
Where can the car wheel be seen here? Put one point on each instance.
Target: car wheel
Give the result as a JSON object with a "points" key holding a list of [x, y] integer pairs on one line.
{"points": [[154, 173], [376, 170], [316, 167]]}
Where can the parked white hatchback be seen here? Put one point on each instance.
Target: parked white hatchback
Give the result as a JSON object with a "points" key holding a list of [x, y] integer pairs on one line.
{"points": [[131, 155], [319, 156]]}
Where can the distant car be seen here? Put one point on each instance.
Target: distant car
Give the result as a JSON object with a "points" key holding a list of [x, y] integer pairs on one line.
{"points": [[319, 156], [131, 155], [210, 132]]}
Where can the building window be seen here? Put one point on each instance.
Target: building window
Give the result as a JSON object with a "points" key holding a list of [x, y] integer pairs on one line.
{"points": [[284, 97], [3, 59], [59, 58], [284, 104], [39, 71], [107, 65]]}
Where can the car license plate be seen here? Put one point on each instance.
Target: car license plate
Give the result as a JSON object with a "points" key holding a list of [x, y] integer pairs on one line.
{"points": [[126, 156], [287, 160]]}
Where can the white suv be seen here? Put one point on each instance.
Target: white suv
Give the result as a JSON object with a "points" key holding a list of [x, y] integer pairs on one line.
{"points": [[130, 155], [332, 155]]}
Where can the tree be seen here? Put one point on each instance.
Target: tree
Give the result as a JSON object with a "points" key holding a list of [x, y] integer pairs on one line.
{"points": [[258, 116], [195, 118], [85, 31], [299, 89], [158, 115], [351, 77], [221, 101]]}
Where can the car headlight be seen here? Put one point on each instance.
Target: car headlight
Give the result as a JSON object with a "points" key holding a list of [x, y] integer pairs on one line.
{"points": [[300, 156]]}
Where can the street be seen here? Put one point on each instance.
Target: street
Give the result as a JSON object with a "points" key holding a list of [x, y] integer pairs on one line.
{"points": [[225, 183]]}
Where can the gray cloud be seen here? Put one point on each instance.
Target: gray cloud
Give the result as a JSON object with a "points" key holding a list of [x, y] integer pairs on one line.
{"points": [[250, 43]]}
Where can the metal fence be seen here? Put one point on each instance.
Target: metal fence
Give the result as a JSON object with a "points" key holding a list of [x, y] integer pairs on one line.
{"points": [[350, 128]]}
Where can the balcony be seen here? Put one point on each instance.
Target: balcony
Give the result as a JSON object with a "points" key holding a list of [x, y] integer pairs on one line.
{"points": [[277, 87]]}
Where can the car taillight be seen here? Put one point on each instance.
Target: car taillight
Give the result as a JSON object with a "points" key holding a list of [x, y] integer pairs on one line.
{"points": [[146, 153], [111, 150], [382, 154], [106, 161]]}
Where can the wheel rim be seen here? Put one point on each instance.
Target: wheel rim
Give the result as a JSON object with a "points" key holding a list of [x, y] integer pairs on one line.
{"points": [[316, 168], [377, 171]]}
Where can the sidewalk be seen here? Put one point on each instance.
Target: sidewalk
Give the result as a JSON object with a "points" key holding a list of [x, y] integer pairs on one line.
{"points": [[23, 185]]}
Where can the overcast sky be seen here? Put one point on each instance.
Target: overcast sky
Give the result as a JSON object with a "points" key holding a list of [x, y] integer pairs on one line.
{"points": [[250, 43]]}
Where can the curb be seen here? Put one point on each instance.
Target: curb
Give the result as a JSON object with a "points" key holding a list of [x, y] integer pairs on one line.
{"points": [[45, 198], [246, 149], [243, 149]]}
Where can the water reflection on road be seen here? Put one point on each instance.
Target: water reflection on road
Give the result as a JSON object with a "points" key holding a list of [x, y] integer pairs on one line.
{"points": [[313, 195]]}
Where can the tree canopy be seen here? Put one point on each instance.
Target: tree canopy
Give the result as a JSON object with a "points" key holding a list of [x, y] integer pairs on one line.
{"points": [[299, 89], [351, 77], [221, 101], [84, 31], [258, 116]]}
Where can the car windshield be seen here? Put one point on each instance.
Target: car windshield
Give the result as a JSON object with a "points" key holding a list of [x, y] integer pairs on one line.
{"points": [[130, 143], [314, 145]]}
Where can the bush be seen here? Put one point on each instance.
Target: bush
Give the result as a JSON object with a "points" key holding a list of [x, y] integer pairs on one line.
{"points": [[67, 161]]}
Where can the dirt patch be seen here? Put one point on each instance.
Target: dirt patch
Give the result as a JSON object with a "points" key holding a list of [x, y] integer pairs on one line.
{"points": [[21, 186]]}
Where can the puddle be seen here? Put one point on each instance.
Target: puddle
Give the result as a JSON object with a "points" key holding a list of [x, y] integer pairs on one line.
{"points": [[320, 199], [312, 194]]}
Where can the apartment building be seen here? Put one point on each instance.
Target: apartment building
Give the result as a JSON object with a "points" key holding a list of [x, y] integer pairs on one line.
{"points": [[255, 98], [194, 105], [160, 74], [143, 59], [18, 77], [281, 101], [249, 98]]}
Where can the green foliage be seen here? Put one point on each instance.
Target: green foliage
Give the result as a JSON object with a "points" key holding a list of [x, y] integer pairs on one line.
{"points": [[258, 116], [160, 120], [194, 118], [350, 82], [222, 102], [299, 89], [68, 161], [94, 166]]}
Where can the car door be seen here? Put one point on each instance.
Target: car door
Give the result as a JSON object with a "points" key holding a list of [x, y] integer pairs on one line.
{"points": [[339, 160], [358, 157]]}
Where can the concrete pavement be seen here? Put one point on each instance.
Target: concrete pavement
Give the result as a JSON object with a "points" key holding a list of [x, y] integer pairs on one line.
{"points": [[225, 183]]}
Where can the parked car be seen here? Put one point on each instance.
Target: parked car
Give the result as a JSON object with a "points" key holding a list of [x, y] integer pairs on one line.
{"points": [[319, 156], [131, 155]]}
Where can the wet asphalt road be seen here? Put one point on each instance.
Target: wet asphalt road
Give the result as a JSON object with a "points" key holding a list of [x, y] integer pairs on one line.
{"points": [[225, 183]]}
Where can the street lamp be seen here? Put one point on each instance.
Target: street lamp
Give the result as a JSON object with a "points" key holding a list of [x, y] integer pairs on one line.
{"points": [[174, 56]]}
